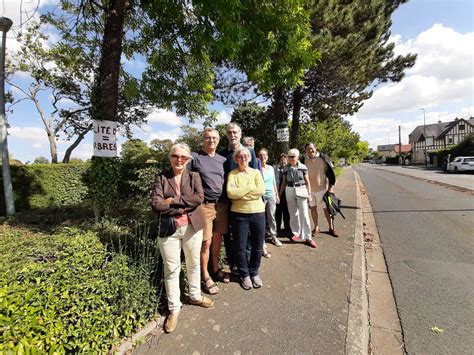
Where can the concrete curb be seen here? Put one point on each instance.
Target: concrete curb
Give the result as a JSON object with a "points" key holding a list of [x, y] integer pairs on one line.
{"points": [[357, 337], [127, 345], [435, 182]]}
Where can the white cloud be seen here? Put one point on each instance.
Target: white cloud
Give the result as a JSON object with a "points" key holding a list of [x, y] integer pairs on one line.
{"points": [[165, 117], [223, 117], [34, 135], [444, 72], [173, 135]]}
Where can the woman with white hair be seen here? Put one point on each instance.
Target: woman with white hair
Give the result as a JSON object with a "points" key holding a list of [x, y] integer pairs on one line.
{"points": [[245, 189], [297, 189], [177, 197]]}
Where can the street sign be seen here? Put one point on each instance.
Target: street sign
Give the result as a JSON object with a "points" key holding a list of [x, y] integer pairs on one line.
{"points": [[283, 134]]}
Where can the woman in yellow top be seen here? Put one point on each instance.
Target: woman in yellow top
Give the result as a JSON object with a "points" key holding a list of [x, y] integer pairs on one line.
{"points": [[245, 189]]}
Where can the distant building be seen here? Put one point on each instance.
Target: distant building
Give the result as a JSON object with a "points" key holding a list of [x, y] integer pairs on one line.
{"points": [[439, 135], [392, 150]]}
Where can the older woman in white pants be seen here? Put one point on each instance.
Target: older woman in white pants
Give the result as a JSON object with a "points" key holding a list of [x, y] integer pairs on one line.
{"points": [[297, 188], [178, 194]]}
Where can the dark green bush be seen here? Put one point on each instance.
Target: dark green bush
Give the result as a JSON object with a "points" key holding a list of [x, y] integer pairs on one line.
{"points": [[41, 186], [67, 293]]}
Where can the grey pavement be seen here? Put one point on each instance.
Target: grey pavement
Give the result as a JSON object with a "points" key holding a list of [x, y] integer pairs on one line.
{"points": [[303, 307], [463, 180]]}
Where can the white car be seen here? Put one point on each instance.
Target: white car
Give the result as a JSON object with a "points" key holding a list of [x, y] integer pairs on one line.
{"points": [[461, 164]]}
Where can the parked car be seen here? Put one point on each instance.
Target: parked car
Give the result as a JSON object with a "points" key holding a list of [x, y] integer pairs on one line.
{"points": [[461, 164]]}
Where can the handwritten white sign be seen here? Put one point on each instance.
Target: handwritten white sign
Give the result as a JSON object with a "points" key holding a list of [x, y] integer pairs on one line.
{"points": [[283, 135], [105, 144]]}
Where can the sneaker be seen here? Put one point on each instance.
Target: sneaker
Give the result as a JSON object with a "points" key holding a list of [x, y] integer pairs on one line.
{"points": [[295, 238], [276, 241], [256, 281], [333, 233], [312, 243], [246, 282], [171, 322], [204, 302]]}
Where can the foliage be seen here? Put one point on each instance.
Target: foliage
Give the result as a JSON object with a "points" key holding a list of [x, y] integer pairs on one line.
{"points": [[192, 137], [161, 149], [39, 186], [66, 69], [103, 178], [135, 151], [66, 293], [333, 137], [63, 186], [41, 160], [255, 122], [356, 56], [464, 148]]}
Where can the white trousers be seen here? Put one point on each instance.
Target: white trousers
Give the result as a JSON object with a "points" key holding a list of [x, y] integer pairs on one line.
{"points": [[170, 249], [300, 223]]}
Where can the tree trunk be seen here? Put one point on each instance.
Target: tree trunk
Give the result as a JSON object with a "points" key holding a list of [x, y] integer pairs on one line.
{"points": [[279, 113], [105, 101], [53, 148], [295, 123], [80, 137], [106, 93]]}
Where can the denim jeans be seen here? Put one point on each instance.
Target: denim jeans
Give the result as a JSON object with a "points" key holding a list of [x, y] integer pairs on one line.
{"points": [[248, 229]]}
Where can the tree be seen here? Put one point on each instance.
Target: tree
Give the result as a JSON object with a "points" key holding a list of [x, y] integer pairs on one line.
{"points": [[41, 160], [333, 136], [355, 57], [256, 122], [64, 70], [160, 149], [192, 137], [135, 151]]}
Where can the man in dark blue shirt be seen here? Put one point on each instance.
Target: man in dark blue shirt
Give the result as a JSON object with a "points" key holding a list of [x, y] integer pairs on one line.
{"points": [[210, 166]]}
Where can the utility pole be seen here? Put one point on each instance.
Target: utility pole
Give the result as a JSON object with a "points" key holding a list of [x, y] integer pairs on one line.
{"points": [[400, 160], [424, 135], [5, 25]]}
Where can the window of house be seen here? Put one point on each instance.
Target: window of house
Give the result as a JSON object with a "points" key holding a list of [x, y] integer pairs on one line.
{"points": [[461, 127], [450, 140]]}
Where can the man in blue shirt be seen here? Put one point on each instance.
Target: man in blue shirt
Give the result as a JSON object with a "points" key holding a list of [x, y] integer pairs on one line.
{"points": [[210, 166]]}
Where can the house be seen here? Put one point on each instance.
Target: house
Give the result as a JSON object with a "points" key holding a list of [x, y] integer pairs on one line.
{"points": [[386, 149], [437, 136], [392, 150]]}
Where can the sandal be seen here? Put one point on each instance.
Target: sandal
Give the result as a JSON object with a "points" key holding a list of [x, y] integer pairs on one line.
{"points": [[266, 253], [221, 276], [209, 286]]}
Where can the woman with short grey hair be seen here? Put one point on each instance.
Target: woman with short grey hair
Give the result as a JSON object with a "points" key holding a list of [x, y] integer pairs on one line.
{"points": [[177, 196], [297, 189]]}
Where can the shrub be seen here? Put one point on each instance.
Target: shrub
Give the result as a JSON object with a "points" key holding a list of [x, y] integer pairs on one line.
{"points": [[67, 293], [47, 186]]}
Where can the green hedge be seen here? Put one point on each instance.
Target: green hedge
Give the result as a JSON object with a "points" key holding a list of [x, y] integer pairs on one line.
{"points": [[40, 186], [67, 293], [47, 186]]}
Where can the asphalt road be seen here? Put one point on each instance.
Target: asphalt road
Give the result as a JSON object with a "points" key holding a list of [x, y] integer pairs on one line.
{"points": [[427, 232]]}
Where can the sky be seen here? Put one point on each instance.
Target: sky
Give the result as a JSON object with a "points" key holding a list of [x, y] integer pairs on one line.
{"points": [[441, 32]]}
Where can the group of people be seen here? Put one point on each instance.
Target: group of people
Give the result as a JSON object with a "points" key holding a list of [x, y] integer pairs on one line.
{"points": [[236, 197]]}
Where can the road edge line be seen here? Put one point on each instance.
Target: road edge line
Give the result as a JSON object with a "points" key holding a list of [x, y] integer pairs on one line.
{"points": [[357, 336]]}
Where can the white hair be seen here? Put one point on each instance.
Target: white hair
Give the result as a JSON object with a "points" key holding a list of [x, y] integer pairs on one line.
{"points": [[294, 152], [239, 150]]}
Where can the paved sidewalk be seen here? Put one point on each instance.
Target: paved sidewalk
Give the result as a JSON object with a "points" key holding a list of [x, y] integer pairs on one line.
{"points": [[463, 180], [303, 307]]}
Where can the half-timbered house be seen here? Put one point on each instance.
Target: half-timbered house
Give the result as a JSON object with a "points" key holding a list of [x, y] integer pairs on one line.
{"points": [[437, 136]]}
